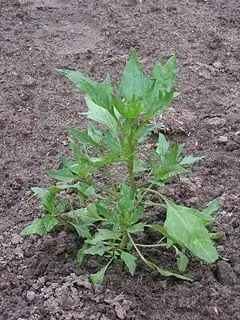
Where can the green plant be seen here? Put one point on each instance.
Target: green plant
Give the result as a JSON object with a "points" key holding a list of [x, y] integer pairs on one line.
{"points": [[105, 205]]}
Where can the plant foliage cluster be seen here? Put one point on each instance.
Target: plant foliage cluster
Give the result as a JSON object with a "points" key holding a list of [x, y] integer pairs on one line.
{"points": [[109, 216]]}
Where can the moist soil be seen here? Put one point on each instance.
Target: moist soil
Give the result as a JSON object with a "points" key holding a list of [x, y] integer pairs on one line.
{"points": [[39, 276]]}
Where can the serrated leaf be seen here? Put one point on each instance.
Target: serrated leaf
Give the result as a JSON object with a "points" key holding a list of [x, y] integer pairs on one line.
{"points": [[126, 201], [129, 261], [105, 234], [165, 75], [47, 197], [50, 222], [138, 227], [90, 215], [61, 175], [163, 145], [81, 136], [143, 132], [83, 231], [100, 93], [98, 277], [136, 214], [36, 227], [101, 115], [98, 249], [138, 165], [134, 83], [190, 160], [188, 227], [110, 216]]}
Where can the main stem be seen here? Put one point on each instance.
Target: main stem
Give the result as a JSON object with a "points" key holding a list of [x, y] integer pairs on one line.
{"points": [[130, 165]]}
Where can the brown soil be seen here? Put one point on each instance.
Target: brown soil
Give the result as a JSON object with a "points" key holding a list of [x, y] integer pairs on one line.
{"points": [[39, 277]]}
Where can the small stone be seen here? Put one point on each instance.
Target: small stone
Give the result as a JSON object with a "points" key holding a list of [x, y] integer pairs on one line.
{"points": [[16, 239], [225, 273], [31, 296], [216, 122], [64, 142], [217, 65], [222, 140]]}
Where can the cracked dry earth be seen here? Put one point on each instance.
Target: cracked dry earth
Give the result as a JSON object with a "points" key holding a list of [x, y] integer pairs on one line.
{"points": [[39, 276]]}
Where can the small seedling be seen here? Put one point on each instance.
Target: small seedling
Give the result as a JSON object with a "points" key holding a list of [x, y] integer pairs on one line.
{"points": [[106, 186]]}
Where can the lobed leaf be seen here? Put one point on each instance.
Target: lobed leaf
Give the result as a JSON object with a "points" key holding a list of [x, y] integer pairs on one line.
{"points": [[188, 227]]}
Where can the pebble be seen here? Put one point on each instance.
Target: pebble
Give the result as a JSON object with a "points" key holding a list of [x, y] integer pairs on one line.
{"points": [[31, 296], [222, 140], [16, 239], [217, 65], [216, 122]]}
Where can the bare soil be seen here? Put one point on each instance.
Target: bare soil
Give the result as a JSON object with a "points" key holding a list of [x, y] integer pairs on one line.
{"points": [[39, 276]]}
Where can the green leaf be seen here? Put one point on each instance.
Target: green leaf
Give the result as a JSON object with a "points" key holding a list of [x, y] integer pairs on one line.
{"points": [[215, 235], [188, 227], [61, 175], [134, 83], [165, 273], [211, 207], [98, 277], [136, 214], [142, 133], [101, 115], [126, 201], [95, 134], [62, 205], [138, 165], [165, 76], [111, 217], [36, 227], [182, 261], [81, 136], [163, 145], [104, 234], [138, 227], [47, 197], [83, 231], [81, 254], [50, 222], [100, 93], [129, 261], [98, 249], [90, 214], [190, 160]]}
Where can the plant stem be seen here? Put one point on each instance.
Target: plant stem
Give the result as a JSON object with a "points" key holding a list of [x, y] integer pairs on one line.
{"points": [[130, 164], [131, 175], [154, 192], [124, 240], [151, 245]]}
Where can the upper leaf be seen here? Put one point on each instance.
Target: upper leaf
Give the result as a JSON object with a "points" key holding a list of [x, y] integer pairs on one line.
{"points": [[165, 76], [101, 115], [163, 145], [100, 93], [134, 83]]}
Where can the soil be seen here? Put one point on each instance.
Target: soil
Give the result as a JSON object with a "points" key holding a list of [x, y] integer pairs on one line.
{"points": [[39, 276]]}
